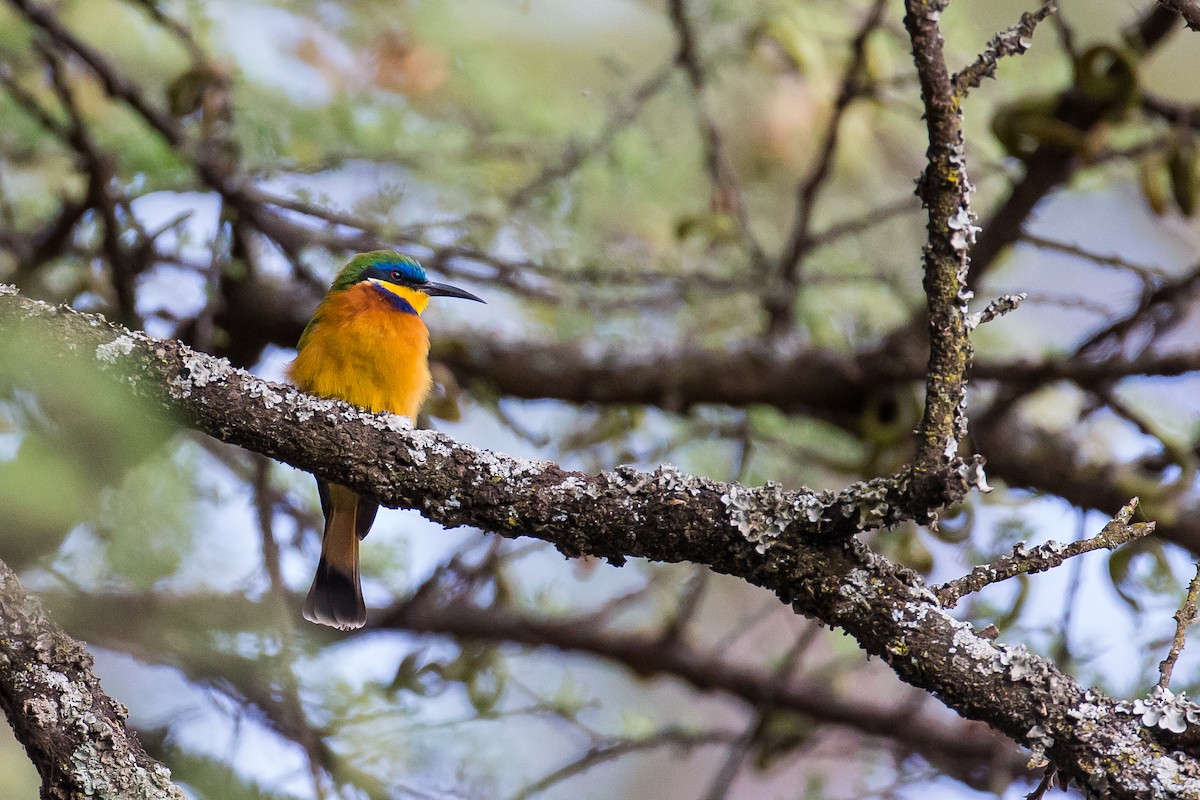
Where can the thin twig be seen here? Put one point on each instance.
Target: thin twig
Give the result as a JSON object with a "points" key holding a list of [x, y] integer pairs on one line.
{"points": [[1185, 615], [575, 155], [1143, 272], [615, 748], [1012, 42], [726, 188], [290, 701], [800, 240], [1117, 532]]}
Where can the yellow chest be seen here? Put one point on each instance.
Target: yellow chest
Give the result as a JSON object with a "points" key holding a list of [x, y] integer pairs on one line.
{"points": [[361, 349]]}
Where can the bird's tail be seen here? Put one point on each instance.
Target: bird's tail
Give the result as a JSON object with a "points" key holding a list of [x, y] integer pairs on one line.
{"points": [[336, 595]]}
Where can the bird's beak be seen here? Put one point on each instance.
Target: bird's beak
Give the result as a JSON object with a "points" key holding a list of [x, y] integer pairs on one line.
{"points": [[446, 290]]}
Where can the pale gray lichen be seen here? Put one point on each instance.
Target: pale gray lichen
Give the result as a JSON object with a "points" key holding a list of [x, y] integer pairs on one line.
{"points": [[810, 507], [573, 484], [263, 391], [963, 227], [1166, 710], [951, 448], [398, 422], [629, 478], [426, 442], [111, 352], [973, 475], [576, 485], [911, 615], [1090, 711], [1037, 736], [200, 370], [8, 290], [1019, 661], [858, 589], [867, 506], [1054, 547], [977, 654], [762, 514]]}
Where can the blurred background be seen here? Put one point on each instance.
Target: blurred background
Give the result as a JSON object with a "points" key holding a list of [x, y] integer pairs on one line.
{"points": [[670, 208]]}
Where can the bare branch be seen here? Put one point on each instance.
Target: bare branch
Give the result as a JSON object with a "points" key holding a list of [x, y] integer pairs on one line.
{"points": [[625, 113], [615, 748], [801, 240], [727, 191]]}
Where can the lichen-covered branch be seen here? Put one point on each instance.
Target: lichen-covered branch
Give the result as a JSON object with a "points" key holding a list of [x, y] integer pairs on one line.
{"points": [[945, 191], [770, 538], [1013, 41], [379, 456], [74, 733], [1185, 616], [1027, 561]]}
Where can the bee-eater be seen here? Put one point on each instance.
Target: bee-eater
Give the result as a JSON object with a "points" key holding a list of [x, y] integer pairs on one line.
{"points": [[366, 344]]}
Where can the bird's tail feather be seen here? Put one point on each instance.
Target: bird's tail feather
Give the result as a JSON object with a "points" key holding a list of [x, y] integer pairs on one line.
{"points": [[336, 595]]}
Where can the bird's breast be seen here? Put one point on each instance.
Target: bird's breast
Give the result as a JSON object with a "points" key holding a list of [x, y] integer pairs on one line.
{"points": [[363, 350]]}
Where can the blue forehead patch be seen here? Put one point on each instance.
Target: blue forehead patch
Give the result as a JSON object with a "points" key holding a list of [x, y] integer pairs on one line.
{"points": [[410, 269]]}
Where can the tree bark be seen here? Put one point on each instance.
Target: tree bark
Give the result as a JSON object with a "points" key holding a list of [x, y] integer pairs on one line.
{"points": [[74, 733], [792, 543]]}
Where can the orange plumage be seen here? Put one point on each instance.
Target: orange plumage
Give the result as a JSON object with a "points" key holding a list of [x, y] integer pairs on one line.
{"points": [[367, 345], [360, 349]]}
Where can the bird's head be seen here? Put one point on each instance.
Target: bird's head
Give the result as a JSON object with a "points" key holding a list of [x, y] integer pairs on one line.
{"points": [[399, 277]]}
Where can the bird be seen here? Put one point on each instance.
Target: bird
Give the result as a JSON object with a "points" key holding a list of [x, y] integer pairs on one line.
{"points": [[366, 344]]}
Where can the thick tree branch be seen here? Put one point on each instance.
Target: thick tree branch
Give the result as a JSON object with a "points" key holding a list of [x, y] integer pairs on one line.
{"points": [[763, 536], [423, 470], [74, 733], [825, 383], [1188, 9]]}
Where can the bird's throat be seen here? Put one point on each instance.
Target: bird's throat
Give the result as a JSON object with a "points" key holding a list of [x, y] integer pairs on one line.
{"points": [[402, 298]]}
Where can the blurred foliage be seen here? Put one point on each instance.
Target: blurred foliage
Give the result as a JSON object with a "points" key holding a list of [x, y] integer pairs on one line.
{"points": [[79, 445], [18, 779]]}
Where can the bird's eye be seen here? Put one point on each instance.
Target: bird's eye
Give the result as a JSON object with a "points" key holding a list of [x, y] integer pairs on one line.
{"points": [[396, 276]]}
